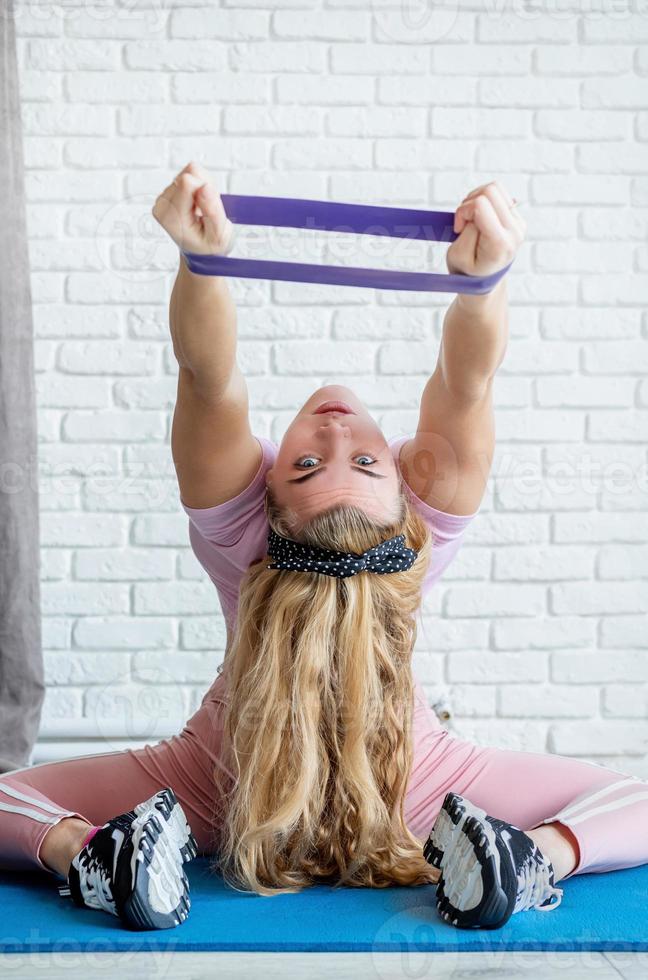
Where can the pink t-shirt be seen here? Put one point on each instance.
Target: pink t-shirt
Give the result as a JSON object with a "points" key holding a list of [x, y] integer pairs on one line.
{"points": [[228, 537]]}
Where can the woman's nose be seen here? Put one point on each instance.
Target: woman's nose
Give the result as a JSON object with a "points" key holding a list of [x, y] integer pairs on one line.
{"points": [[334, 425]]}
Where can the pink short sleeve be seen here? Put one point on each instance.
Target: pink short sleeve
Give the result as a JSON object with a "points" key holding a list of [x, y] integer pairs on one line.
{"points": [[447, 529], [226, 523], [227, 538]]}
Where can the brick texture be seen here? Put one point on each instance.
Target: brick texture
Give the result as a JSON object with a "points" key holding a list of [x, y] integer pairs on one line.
{"points": [[538, 634]]}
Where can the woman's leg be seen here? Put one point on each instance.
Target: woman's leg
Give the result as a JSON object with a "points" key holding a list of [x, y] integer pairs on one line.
{"points": [[605, 813], [94, 788]]}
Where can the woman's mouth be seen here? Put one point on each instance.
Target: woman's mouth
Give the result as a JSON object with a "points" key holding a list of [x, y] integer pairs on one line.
{"points": [[334, 406]]}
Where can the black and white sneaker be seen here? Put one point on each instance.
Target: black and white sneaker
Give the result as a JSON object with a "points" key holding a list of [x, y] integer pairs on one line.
{"points": [[490, 869], [132, 866]]}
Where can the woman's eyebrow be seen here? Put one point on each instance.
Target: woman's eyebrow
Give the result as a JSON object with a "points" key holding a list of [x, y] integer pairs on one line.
{"points": [[322, 469]]}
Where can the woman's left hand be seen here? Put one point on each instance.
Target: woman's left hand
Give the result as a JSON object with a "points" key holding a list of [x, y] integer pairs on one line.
{"points": [[490, 232]]}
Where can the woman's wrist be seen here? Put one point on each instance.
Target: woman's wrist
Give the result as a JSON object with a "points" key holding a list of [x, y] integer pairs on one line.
{"points": [[482, 305], [198, 283]]}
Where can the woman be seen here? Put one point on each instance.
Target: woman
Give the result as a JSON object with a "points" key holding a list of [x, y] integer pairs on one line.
{"points": [[314, 755]]}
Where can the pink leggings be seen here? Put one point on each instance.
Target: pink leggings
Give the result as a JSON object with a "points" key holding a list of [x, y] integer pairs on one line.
{"points": [[606, 811]]}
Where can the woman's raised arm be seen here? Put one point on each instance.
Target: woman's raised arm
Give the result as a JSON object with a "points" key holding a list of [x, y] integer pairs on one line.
{"points": [[448, 461], [475, 328], [214, 451], [202, 315]]}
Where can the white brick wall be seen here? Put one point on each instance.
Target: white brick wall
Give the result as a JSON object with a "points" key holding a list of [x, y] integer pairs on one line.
{"points": [[538, 633]]}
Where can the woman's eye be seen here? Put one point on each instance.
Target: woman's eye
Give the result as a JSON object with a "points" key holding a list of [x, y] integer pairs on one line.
{"points": [[300, 463]]}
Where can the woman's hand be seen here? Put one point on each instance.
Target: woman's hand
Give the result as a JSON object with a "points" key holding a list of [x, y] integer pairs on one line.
{"points": [[490, 232], [191, 211]]}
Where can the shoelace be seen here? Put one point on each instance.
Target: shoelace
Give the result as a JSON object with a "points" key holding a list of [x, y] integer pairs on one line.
{"points": [[94, 880], [95, 883], [535, 886]]}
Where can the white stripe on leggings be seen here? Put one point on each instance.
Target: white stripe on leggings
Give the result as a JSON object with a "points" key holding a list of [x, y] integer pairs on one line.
{"points": [[610, 788], [12, 791], [626, 800], [34, 814]]}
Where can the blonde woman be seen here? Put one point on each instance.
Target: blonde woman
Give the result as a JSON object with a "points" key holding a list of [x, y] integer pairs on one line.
{"points": [[314, 756]]}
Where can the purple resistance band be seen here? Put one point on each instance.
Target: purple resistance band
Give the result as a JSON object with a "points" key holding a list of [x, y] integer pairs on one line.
{"points": [[359, 219]]}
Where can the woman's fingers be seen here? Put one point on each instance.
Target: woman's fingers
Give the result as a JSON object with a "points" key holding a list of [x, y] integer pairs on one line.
{"points": [[492, 184], [182, 188], [196, 170], [502, 203], [174, 208], [185, 186], [461, 254], [500, 200], [191, 210], [484, 244], [489, 231], [217, 228], [482, 213]]}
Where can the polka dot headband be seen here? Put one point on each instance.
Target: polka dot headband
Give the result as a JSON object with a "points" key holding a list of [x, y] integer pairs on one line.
{"points": [[386, 557]]}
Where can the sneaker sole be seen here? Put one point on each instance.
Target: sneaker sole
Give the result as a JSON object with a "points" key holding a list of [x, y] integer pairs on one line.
{"points": [[476, 889], [162, 841], [167, 805]]}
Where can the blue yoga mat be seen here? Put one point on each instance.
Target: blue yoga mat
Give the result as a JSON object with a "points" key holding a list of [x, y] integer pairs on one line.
{"points": [[598, 912]]}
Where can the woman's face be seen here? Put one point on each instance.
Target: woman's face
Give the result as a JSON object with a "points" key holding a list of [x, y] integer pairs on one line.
{"points": [[334, 458]]}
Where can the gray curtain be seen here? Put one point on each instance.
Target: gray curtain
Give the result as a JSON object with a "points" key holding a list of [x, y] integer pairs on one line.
{"points": [[22, 688]]}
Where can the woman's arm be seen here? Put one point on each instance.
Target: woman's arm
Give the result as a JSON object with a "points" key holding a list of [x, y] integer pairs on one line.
{"points": [[214, 451], [475, 328], [473, 341], [202, 320], [202, 316], [448, 461]]}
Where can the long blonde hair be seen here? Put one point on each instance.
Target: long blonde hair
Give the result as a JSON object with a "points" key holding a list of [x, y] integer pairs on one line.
{"points": [[318, 723]]}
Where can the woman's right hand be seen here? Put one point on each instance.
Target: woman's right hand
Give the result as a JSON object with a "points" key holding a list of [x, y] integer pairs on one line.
{"points": [[191, 211]]}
